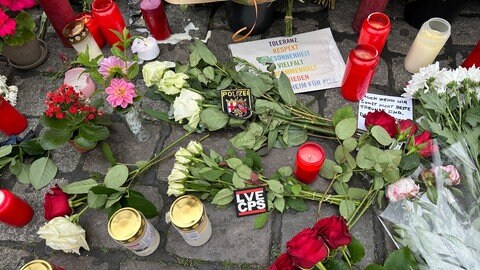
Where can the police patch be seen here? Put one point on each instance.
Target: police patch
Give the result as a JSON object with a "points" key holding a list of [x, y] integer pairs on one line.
{"points": [[237, 103]]}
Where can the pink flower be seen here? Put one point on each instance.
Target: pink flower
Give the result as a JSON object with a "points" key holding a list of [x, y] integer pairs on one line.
{"points": [[18, 5], [403, 188], [7, 25], [5, 3], [449, 173], [112, 65], [120, 93]]}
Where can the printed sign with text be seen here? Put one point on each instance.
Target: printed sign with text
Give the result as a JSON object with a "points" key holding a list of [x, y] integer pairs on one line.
{"points": [[251, 201], [398, 107]]}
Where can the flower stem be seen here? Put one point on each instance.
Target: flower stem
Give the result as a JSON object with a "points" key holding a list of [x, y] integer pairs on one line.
{"points": [[289, 18]]}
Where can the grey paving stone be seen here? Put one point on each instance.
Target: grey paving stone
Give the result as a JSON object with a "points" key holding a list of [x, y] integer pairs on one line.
{"points": [[333, 101], [31, 102], [233, 239], [13, 258], [463, 32], [400, 75], [471, 8], [401, 37], [196, 14], [66, 158], [394, 9], [75, 262], [150, 266], [219, 42], [342, 16]]}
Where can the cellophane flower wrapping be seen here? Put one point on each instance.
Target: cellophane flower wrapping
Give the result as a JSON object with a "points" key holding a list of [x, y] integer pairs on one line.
{"points": [[445, 234]]}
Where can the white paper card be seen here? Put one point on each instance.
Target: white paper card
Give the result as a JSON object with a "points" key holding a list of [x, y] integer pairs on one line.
{"points": [[398, 107], [311, 60]]}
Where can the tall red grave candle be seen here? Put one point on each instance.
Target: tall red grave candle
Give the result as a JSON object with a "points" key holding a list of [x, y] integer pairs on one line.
{"points": [[59, 13], [157, 22], [473, 58], [375, 30], [109, 18], [12, 122], [13, 210], [366, 7], [359, 70], [92, 24], [308, 162]]}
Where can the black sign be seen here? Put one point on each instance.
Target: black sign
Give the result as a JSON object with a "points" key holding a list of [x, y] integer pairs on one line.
{"points": [[237, 103], [251, 201]]}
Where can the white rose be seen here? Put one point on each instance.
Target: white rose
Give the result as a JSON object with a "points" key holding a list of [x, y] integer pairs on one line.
{"points": [[172, 82], [180, 167], [183, 156], [403, 188], [195, 147], [61, 234], [153, 71], [185, 106], [176, 189], [177, 176]]}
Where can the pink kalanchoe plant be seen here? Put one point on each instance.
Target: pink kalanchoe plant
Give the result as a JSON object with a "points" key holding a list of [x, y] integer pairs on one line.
{"points": [[120, 93]]}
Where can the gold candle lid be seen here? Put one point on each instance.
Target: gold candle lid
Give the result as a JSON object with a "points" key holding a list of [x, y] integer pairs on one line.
{"points": [[125, 225], [186, 212], [76, 32], [37, 265]]}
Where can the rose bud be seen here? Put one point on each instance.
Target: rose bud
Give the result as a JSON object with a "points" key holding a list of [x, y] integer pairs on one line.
{"points": [[56, 204], [383, 119]]}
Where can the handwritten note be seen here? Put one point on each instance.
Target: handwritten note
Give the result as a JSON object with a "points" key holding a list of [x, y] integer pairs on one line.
{"points": [[311, 60], [398, 107]]}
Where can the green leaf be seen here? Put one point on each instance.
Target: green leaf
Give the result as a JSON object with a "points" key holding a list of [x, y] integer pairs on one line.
{"points": [[297, 204], [226, 82], [210, 174], [473, 116], [381, 135], [244, 171], [162, 116], [275, 186], [346, 128], [343, 113], [94, 133], [139, 202], [285, 171], [296, 189], [96, 200], [285, 90], [53, 138], [32, 147], [340, 188], [345, 176], [401, 259], [53, 123], [375, 266], [79, 187], [279, 204], [223, 197], [350, 144], [254, 83], [295, 136], [42, 171], [84, 143], [24, 175], [5, 150], [357, 193], [378, 182], [260, 221], [365, 158], [347, 208], [194, 58], [410, 162], [107, 152], [237, 181], [113, 199], [116, 176], [213, 118], [356, 250], [327, 171], [391, 174], [205, 53], [209, 72], [234, 162]]}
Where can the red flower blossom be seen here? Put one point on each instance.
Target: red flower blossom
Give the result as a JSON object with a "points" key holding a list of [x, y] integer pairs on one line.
{"points": [[425, 144], [307, 249], [56, 204], [407, 125], [283, 262], [334, 231], [383, 119]]}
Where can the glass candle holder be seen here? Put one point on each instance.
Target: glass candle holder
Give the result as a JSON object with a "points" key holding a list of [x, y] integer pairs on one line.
{"points": [[366, 7], [78, 35], [375, 30], [308, 162], [92, 24], [13, 210], [59, 13], [427, 44], [155, 18], [473, 58], [12, 122], [109, 18], [359, 70]]}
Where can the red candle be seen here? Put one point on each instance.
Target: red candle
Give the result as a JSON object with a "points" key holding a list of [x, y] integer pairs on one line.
{"points": [[13, 210], [473, 58], [365, 7], [375, 30], [59, 13], [309, 161], [93, 27], [359, 70], [11, 121], [156, 19], [109, 18]]}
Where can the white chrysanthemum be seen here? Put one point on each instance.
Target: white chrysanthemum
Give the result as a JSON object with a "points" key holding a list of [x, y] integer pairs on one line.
{"points": [[474, 73], [11, 95], [419, 80]]}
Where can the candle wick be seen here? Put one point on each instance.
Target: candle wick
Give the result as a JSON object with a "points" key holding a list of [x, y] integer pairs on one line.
{"points": [[309, 157]]}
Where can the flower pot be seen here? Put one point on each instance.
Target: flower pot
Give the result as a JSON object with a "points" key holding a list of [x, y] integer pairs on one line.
{"points": [[79, 148], [240, 16], [27, 56], [134, 122], [365, 8], [419, 11]]}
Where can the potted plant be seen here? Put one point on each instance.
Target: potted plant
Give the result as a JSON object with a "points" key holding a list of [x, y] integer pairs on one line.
{"points": [[250, 17], [69, 118], [18, 41]]}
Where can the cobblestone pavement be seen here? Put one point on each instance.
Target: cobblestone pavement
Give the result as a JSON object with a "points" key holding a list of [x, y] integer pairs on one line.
{"points": [[234, 244]]}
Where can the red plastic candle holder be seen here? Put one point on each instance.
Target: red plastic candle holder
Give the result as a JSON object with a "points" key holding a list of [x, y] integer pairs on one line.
{"points": [[109, 18], [359, 70], [12, 122], [473, 58], [92, 25], [308, 162], [375, 30], [13, 210], [155, 18], [59, 13]]}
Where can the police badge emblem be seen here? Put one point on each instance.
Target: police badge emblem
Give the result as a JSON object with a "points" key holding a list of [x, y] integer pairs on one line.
{"points": [[237, 103]]}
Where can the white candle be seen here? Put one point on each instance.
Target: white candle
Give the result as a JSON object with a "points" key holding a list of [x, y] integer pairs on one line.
{"points": [[78, 35], [429, 41], [146, 48], [81, 81]]}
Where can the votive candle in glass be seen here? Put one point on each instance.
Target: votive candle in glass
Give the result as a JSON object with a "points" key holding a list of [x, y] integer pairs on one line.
{"points": [[146, 48], [473, 58], [78, 35], [109, 18], [13, 210], [427, 44], [92, 24], [12, 122], [155, 18], [366, 7], [375, 30], [59, 13], [308, 162], [81, 81], [359, 70]]}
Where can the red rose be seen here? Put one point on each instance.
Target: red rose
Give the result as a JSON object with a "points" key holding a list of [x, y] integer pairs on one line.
{"points": [[407, 125], [56, 204], [334, 231], [283, 262], [425, 144], [383, 119], [307, 249]]}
